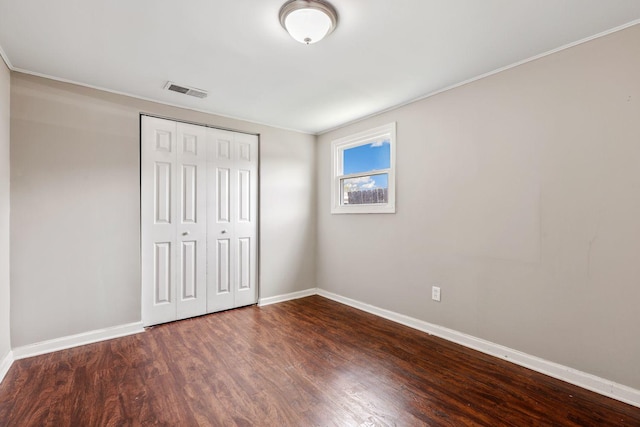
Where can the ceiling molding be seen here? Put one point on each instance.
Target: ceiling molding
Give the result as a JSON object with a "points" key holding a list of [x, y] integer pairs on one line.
{"points": [[345, 124], [4, 56], [142, 98], [488, 74]]}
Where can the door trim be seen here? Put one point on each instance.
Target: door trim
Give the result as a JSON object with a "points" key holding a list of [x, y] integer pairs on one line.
{"points": [[189, 122]]}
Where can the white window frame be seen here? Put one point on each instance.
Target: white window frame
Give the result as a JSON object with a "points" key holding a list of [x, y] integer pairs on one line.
{"points": [[362, 138]]}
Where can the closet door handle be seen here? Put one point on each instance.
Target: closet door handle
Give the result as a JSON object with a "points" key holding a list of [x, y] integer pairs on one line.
{"points": [[224, 232], [185, 233]]}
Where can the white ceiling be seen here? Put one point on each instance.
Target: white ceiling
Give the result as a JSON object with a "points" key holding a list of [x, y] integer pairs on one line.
{"points": [[383, 53]]}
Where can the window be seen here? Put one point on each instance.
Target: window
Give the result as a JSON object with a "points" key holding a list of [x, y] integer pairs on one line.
{"points": [[363, 168]]}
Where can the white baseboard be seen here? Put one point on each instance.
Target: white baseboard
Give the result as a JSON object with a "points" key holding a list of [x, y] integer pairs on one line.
{"points": [[76, 340], [287, 297], [582, 379], [5, 364]]}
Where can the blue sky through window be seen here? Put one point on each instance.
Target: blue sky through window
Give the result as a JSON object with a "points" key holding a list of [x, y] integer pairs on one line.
{"points": [[366, 158]]}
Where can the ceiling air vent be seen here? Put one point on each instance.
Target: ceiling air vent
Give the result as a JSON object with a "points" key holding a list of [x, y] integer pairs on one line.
{"points": [[198, 93]]}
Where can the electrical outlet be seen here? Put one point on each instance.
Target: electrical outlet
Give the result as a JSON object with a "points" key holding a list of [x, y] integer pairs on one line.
{"points": [[435, 293]]}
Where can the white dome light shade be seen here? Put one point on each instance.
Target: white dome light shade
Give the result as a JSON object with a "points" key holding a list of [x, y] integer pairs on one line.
{"points": [[308, 21], [307, 25]]}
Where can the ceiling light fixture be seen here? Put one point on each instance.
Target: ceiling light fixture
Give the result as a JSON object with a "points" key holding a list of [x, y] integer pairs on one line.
{"points": [[308, 21]]}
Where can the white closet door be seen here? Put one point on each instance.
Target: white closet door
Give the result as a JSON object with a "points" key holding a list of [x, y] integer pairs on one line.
{"points": [[158, 221], [173, 210], [245, 198], [232, 219], [192, 222]]}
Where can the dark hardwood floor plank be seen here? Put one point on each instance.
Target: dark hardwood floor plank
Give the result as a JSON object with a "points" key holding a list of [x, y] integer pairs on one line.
{"points": [[308, 362]]}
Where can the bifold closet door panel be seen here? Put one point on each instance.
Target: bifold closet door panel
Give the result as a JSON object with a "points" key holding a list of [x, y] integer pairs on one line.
{"points": [[221, 264], [159, 221], [245, 218], [191, 255]]}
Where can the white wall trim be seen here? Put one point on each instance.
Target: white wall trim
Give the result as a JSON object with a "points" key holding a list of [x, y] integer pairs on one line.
{"points": [[482, 76], [4, 56], [148, 99], [573, 376], [377, 113], [5, 364], [77, 340], [287, 297]]}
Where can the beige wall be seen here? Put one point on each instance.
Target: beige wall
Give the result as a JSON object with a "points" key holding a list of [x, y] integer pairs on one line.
{"points": [[75, 263], [5, 341], [519, 195]]}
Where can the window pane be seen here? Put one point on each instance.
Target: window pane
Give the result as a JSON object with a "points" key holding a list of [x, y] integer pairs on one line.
{"points": [[365, 190], [368, 157]]}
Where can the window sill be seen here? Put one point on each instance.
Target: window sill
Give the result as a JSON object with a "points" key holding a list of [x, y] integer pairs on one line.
{"points": [[364, 209]]}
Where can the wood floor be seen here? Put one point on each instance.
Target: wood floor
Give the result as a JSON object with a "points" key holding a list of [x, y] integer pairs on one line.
{"points": [[309, 362]]}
